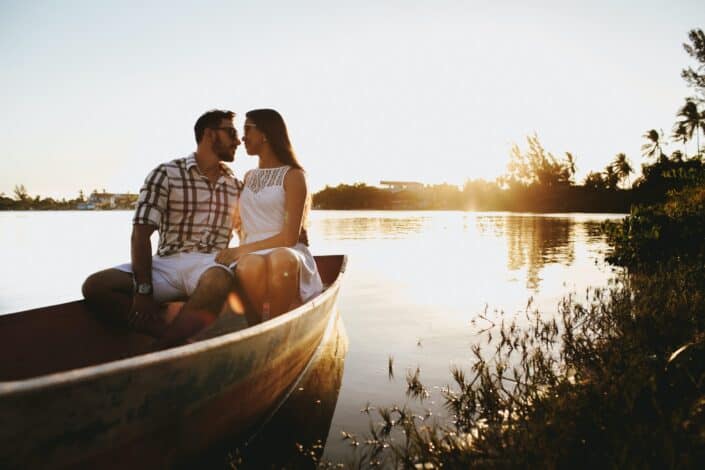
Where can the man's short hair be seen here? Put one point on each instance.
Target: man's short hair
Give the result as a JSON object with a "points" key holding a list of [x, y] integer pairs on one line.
{"points": [[210, 119]]}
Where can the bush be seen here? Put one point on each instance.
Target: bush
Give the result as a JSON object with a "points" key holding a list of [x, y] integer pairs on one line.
{"points": [[657, 233]]}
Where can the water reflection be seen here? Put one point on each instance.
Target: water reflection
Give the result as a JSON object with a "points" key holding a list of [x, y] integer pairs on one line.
{"points": [[532, 241], [593, 231], [360, 228], [296, 435]]}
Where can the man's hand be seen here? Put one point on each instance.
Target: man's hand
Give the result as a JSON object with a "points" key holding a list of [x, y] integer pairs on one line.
{"points": [[144, 315], [228, 256]]}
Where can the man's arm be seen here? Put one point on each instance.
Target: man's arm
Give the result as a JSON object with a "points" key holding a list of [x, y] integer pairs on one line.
{"points": [[141, 252], [151, 205], [143, 304]]}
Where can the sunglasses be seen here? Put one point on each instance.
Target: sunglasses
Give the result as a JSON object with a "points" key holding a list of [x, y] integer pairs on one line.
{"points": [[232, 132]]}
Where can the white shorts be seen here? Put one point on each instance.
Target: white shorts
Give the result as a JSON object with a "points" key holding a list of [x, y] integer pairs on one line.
{"points": [[176, 276]]}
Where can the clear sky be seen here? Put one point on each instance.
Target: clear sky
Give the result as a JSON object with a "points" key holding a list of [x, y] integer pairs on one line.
{"points": [[93, 94]]}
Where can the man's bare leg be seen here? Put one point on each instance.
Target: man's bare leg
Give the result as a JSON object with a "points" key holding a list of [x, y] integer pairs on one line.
{"points": [[108, 294], [201, 309]]}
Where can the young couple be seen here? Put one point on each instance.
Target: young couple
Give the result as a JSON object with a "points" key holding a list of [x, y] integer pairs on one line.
{"points": [[195, 203]]}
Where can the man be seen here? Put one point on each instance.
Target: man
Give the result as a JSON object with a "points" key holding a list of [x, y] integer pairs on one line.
{"points": [[191, 202]]}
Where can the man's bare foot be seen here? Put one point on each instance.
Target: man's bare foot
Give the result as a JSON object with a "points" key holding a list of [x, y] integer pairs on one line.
{"points": [[156, 324], [183, 327]]}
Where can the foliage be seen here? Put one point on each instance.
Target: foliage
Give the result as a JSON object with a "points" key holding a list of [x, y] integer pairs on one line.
{"points": [[595, 180], [536, 166], [615, 380], [362, 196], [621, 167], [692, 122], [653, 146], [23, 201], [617, 171], [478, 195], [355, 196], [692, 114], [652, 234], [666, 175], [20, 193], [696, 49]]}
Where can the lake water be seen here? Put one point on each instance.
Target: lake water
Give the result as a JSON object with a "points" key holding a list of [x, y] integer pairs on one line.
{"points": [[414, 282]]}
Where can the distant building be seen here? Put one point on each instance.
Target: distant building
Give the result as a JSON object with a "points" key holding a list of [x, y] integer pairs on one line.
{"points": [[396, 186], [109, 201], [85, 206]]}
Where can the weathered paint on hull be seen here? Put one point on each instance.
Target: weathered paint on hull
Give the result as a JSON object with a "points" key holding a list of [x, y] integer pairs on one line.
{"points": [[156, 409], [303, 422]]}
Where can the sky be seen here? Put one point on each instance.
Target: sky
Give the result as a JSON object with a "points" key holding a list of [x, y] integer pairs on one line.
{"points": [[93, 95]]}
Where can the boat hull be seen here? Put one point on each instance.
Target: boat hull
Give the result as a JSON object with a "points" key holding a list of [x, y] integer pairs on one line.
{"points": [[157, 409]]}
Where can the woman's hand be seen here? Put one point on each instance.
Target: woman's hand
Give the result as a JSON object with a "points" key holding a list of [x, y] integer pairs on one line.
{"points": [[228, 256]]}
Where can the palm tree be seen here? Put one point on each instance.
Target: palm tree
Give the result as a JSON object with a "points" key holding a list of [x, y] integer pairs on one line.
{"points": [[677, 156], [696, 50], [622, 167], [680, 134], [21, 193], [595, 180], [692, 122], [570, 159], [652, 148], [611, 177]]}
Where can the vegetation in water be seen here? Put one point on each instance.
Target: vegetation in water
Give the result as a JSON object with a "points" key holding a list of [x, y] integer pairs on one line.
{"points": [[617, 378]]}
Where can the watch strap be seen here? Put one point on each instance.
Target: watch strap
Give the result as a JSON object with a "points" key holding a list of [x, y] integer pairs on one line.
{"points": [[144, 288]]}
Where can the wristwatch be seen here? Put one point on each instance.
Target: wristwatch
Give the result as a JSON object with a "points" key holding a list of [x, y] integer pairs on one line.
{"points": [[143, 288]]}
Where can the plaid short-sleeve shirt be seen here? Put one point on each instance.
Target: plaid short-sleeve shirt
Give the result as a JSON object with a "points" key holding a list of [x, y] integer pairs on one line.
{"points": [[190, 213]]}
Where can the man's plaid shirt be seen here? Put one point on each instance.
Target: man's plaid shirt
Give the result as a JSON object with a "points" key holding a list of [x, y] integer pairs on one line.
{"points": [[190, 213]]}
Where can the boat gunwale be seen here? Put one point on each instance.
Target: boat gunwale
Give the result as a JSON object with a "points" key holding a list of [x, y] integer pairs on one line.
{"points": [[77, 375]]}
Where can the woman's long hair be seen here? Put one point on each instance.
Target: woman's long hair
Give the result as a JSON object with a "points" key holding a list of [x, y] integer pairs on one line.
{"points": [[271, 124]]}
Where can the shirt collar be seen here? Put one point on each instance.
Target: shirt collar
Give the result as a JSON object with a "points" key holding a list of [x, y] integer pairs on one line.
{"points": [[191, 162]]}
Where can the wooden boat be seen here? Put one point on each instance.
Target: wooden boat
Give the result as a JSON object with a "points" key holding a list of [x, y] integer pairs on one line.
{"points": [[75, 392]]}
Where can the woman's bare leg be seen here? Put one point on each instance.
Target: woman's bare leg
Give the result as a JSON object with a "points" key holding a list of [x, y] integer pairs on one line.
{"points": [[283, 281], [251, 275]]}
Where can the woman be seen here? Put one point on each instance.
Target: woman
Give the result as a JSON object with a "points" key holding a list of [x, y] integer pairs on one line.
{"points": [[274, 267]]}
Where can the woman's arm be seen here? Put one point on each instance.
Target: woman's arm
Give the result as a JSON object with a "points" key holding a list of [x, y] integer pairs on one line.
{"points": [[295, 192]]}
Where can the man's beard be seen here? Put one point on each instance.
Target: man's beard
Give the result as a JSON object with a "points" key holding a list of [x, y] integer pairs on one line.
{"points": [[222, 152]]}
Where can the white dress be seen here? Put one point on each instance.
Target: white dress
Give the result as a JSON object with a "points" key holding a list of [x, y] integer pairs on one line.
{"points": [[262, 210]]}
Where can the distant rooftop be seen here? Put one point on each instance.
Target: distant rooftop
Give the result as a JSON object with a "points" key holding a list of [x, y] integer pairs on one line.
{"points": [[401, 185]]}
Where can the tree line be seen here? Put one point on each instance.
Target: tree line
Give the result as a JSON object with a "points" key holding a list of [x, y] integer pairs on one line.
{"points": [[22, 200], [537, 180]]}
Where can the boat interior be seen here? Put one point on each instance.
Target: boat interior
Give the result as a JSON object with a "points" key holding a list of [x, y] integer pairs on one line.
{"points": [[68, 336]]}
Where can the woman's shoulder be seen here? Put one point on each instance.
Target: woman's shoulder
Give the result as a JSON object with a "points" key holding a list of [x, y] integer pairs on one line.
{"points": [[295, 175]]}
